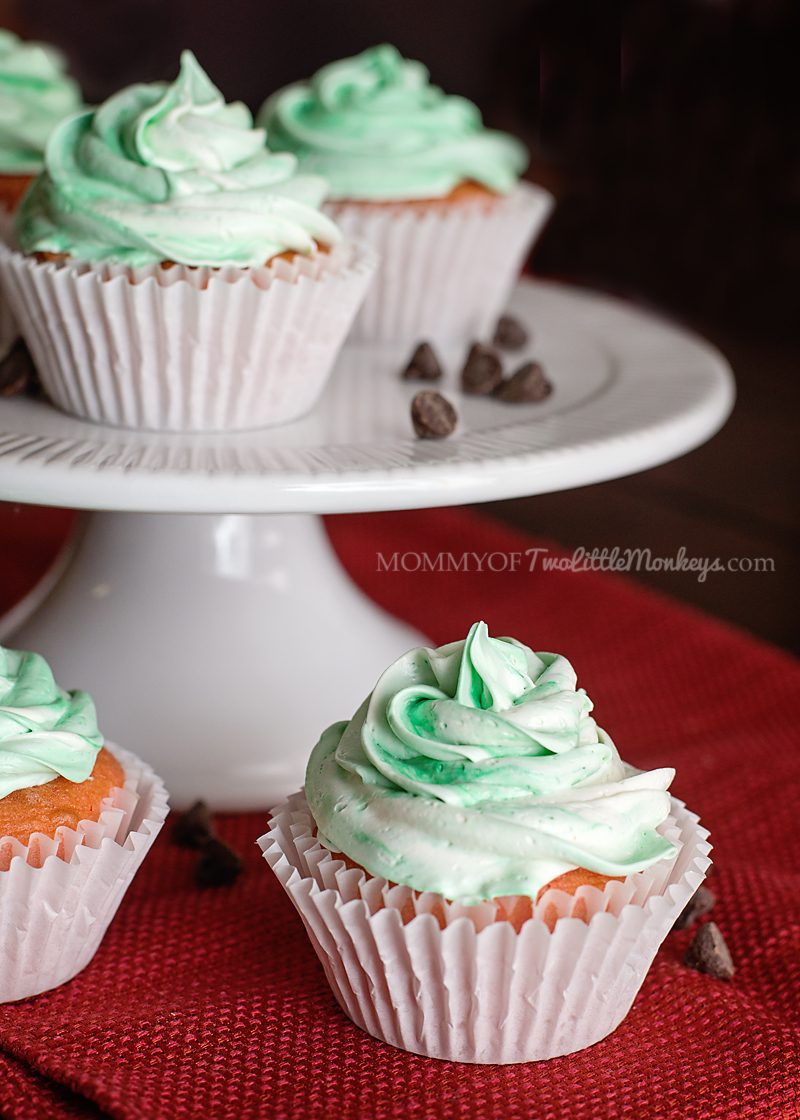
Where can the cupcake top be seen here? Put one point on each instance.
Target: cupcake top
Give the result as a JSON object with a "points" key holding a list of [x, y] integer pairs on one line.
{"points": [[35, 94], [170, 172], [377, 130], [475, 770], [44, 731]]}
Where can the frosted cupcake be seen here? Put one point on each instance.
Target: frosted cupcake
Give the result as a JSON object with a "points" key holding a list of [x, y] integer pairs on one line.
{"points": [[482, 877], [414, 173], [35, 94], [177, 275], [77, 818]]}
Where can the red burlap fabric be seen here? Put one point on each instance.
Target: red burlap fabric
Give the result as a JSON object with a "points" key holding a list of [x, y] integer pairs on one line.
{"points": [[211, 1004]]}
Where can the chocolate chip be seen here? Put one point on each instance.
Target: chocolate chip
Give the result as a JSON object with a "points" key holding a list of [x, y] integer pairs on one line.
{"points": [[527, 384], [195, 828], [424, 365], [482, 371], [17, 372], [509, 334], [219, 865], [708, 953], [700, 904], [433, 417]]}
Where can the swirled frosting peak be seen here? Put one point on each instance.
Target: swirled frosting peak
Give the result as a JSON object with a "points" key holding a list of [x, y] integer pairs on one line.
{"points": [[170, 172], [377, 130], [476, 770], [35, 94], [44, 731]]}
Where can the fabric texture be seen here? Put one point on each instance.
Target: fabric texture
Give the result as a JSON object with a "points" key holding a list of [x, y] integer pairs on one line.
{"points": [[211, 1003]]}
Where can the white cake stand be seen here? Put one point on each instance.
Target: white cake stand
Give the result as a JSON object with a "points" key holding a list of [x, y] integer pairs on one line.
{"points": [[210, 619]]}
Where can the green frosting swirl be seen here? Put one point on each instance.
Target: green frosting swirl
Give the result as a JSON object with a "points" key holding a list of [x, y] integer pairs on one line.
{"points": [[376, 129], [35, 94], [44, 731], [475, 770], [170, 172]]}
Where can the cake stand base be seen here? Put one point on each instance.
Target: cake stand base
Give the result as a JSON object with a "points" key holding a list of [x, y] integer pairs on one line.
{"points": [[216, 647]]}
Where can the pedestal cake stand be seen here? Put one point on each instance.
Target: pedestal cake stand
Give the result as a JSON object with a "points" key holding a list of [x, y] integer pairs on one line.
{"points": [[208, 615]]}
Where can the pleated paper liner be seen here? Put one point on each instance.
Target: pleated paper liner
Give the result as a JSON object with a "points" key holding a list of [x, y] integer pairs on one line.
{"points": [[182, 349], [54, 911], [445, 274], [458, 982]]}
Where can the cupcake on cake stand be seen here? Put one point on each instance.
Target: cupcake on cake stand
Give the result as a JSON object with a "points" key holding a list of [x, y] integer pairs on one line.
{"points": [[200, 602]]}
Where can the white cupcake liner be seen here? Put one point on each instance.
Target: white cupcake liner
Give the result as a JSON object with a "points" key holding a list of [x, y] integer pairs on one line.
{"points": [[8, 325], [475, 990], [54, 916], [445, 274], [183, 349]]}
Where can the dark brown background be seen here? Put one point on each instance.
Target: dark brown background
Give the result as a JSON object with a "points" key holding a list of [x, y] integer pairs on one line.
{"points": [[668, 130]]}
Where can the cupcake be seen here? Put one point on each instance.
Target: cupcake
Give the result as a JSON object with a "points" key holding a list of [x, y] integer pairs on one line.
{"points": [[77, 818], [481, 876], [35, 94], [176, 275], [414, 173]]}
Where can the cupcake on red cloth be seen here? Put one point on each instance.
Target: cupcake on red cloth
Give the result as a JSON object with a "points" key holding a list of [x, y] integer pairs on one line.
{"points": [[414, 173], [482, 877], [77, 817], [175, 274]]}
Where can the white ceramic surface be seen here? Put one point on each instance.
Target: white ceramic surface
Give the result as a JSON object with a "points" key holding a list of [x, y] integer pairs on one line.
{"points": [[218, 647], [631, 391]]}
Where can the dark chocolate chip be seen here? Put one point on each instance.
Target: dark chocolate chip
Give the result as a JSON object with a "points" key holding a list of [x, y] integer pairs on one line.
{"points": [[195, 828], [433, 416], [509, 334], [424, 365], [708, 953], [482, 371], [700, 904], [17, 372], [219, 865], [527, 384]]}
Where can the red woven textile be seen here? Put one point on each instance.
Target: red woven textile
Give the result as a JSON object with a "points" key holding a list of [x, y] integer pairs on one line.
{"points": [[211, 1004]]}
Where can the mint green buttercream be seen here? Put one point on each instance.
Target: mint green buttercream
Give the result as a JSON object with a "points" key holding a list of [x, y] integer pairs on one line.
{"points": [[377, 130], [44, 731], [35, 94], [170, 172], [476, 770]]}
